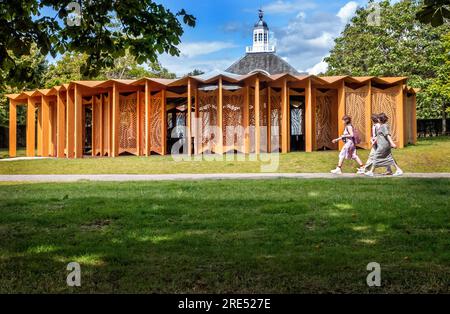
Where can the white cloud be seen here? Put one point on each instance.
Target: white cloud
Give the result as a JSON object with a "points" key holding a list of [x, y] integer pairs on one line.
{"points": [[319, 68], [182, 65], [310, 35], [195, 49], [282, 7], [347, 11]]}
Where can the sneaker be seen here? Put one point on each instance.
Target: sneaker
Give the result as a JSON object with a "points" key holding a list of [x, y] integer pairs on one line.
{"points": [[369, 173], [398, 173], [336, 171], [361, 170], [388, 173]]}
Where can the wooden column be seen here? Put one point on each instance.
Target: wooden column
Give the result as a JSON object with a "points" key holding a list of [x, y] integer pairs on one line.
{"points": [[341, 110], [309, 118], [188, 118], [108, 128], [115, 121], [138, 123], [102, 99], [147, 118], [284, 118], [219, 142], [12, 128], [257, 118], [31, 128], [414, 119], [368, 112], [164, 122], [70, 124], [198, 125], [400, 117], [93, 126], [246, 119], [45, 126], [60, 125], [269, 120], [78, 124]]}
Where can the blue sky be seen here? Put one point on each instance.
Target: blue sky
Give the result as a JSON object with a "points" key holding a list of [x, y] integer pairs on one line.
{"points": [[303, 31]]}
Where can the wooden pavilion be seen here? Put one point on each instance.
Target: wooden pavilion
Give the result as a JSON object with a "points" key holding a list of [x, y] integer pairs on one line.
{"points": [[215, 113]]}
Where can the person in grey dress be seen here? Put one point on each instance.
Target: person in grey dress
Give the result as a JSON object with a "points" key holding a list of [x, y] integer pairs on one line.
{"points": [[373, 141], [383, 153]]}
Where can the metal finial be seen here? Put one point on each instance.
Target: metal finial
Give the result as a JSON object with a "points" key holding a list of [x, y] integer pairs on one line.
{"points": [[261, 14]]}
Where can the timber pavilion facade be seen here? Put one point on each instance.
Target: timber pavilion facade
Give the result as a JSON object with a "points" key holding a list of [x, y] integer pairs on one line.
{"points": [[260, 104]]}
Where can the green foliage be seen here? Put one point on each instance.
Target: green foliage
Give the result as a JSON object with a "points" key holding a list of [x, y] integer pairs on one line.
{"points": [[196, 72], [434, 12], [400, 46], [107, 29], [67, 69], [33, 67]]}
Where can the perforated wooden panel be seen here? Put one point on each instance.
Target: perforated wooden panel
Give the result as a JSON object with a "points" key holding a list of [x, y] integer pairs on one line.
{"points": [[208, 115], [233, 110], [97, 130], [275, 120], [156, 124], [128, 124], [355, 107], [324, 119], [384, 101], [142, 124]]}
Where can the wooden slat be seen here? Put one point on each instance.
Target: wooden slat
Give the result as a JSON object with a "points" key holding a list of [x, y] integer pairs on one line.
{"points": [[60, 125], [188, 117], [257, 117], [70, 124], [115, 121], [309, 118], [400, 117], [31, 128], [219, 142], [45, 126], [12, 128], [341, 110], [78, 124]]}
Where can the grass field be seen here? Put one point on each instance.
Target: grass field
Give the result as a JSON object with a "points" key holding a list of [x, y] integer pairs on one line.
{"points": [[226, 236], [429, 155]]}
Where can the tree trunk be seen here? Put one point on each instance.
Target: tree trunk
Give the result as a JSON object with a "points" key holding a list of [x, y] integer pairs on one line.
{"points": [[444, 118]]}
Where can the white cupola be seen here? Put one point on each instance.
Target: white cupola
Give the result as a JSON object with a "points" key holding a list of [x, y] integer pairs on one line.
{"points": [[261, 40]]}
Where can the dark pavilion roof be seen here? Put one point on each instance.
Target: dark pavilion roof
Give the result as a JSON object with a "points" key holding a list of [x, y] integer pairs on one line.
{"points": [[263, 61]]}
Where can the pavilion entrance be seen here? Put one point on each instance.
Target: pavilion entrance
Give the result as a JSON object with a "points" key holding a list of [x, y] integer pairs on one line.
{"points": [[177, 109], [297, 123]]}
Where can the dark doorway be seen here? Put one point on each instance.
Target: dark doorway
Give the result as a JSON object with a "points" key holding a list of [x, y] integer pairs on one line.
{"points": [[177, 124], [297, 125], [87, 130]]}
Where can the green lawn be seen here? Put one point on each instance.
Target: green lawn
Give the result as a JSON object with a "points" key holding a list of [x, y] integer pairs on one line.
{"points": [[430, 155], [226, 236]]}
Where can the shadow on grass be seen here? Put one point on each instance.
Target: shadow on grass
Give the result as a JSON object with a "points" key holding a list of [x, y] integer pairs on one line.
{"points": [[201, 237]]}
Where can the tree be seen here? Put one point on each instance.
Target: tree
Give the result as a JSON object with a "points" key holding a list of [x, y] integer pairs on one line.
{"points": [[399, 46], [434, 12], [36, 66], [439, 89], [196, 72], [104, 33]]}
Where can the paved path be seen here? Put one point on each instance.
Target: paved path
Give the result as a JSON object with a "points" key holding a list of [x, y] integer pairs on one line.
{"points": [[181, 177]]}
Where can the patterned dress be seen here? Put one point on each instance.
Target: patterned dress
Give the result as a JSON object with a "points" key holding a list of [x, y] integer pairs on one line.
{"points": [[383, 154], [370, 160], [349, 149]]}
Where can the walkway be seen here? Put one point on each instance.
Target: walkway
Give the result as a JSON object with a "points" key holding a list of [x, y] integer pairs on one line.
{"points": [[184, 177]]}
